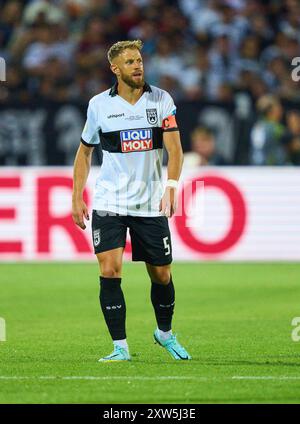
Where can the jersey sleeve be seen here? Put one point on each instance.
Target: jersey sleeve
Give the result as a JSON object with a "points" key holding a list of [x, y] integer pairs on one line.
{"points": [[90, 135], [168, 113]]}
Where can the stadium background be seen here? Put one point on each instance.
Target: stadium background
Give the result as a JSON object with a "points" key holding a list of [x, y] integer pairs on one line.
{"points": [[218, 59]]}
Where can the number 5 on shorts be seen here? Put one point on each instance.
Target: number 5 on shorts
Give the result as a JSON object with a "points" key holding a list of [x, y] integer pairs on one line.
{"points": [[167, 245]]}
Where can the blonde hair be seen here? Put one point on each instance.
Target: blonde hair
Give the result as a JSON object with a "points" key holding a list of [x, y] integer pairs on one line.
{"points": [[120, 46]]}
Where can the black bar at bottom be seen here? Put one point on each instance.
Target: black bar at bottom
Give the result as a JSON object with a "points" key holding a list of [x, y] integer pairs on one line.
{"points": [[92, 413]]}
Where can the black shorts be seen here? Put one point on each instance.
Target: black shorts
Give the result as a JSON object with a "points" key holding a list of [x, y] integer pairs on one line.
{"points": [[150, 236]]}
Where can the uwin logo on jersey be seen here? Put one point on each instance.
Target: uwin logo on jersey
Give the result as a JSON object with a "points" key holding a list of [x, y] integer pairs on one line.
{"points": [[136, 140]]}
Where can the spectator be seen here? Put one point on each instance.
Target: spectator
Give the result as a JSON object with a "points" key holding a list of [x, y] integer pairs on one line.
{"points": [[267, 135], [45, 10], [10, 19], [231, 23], [195, 78], [222, 64], [204, 16], [165, 62], [52, 42], [91, 50], [199, 50], [203, 149], [145, 31], [129, 17], [248, 55], [277, 71], [260, 27]]}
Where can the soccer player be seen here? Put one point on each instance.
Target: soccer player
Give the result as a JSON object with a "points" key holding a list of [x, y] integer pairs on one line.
{"points": [[131, 122]]}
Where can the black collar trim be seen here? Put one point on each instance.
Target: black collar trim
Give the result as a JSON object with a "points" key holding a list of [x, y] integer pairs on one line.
{"points": [[114, 89]]}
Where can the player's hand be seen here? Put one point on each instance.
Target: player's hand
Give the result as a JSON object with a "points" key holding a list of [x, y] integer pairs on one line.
{"points": [[79, 212], [168, 203]]}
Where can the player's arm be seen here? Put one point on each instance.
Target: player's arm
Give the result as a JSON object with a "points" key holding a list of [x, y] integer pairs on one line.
{"points": [[172, 144], [82, 165]]}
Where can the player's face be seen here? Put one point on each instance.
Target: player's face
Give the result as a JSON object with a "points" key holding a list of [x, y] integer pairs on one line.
{"points": [[129, 65]]}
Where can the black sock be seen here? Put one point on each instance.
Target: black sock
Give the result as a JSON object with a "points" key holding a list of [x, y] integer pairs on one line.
{"points": [[163, 301], [113, 306]]}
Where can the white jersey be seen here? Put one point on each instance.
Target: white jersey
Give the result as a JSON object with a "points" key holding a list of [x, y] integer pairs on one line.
{"points": [[130, 136]]}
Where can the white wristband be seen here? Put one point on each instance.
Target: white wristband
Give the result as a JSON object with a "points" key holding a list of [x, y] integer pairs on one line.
{"points": [[172, 183]]}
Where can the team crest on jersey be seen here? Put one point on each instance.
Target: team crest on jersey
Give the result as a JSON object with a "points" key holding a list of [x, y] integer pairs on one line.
{"points": [[152, 116], [136, 140], [96, 237]]}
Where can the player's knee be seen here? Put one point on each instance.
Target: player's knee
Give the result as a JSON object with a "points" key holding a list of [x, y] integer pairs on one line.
{"points": [[110, 271], [162, 276]]}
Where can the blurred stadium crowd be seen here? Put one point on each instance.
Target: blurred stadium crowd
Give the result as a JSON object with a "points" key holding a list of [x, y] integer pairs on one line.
{"points": [[197, 50]]}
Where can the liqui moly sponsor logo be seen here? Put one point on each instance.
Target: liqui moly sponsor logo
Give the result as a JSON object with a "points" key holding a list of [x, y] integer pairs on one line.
{"points": [[136, 140]]}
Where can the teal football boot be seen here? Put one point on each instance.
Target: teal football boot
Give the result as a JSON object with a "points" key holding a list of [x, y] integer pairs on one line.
{"points": [[172, 346], [119, 354]]}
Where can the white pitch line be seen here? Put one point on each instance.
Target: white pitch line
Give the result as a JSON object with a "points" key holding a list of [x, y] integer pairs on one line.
{"points": [[266, 377], [143, 378], [86, 377]]}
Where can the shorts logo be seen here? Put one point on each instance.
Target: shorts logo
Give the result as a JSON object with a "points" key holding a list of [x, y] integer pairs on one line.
{"points": [[152, 116], [96, 237], [136, 140]]}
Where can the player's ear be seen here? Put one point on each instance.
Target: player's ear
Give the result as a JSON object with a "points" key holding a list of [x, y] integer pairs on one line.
{"points": [[114, 68]]}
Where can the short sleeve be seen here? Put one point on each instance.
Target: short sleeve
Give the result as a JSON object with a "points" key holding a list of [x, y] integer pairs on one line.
{"points": [[90, 134], [168, 106]]}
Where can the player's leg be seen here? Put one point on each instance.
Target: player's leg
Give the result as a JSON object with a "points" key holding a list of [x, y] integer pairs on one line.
{"points": [[151, 243], [162, 296], [163, 301], [111, 295], [109, 235]]}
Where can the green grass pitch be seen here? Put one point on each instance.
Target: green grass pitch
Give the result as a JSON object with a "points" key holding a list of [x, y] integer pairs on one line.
{"points": [[235, 320]]}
